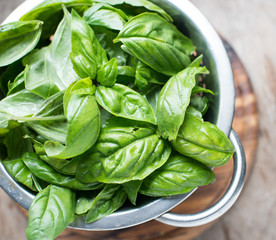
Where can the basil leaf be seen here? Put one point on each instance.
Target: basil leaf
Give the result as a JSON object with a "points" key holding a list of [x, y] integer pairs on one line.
{"points": [[50, 12], [108, 201], [203, 141], [164, 49], [132, 189], [9, 74], [17, 85], [20, 172], [198, 89], [43, 171], [178, 175], [113, 50], [15, 106], [173, 100], [84, 202], [17, 39], [16, 144], [149, 6], [106, 16], [122, 101], [107, 73], [49, 120], [113, 121], [144, 76], [200, 103], [64, 166], [87, 53], [83, 118], [50, 213], [50, 69], [122, 155]]}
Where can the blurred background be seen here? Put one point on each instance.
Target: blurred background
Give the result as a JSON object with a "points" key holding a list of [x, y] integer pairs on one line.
{"points": [[250, 28]]}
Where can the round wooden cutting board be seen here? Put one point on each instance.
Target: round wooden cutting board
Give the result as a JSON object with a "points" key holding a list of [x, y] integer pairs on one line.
{"points": [[246, 125]]}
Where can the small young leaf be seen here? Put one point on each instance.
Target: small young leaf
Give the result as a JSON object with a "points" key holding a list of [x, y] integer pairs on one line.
{"points": [[132, 189], [107, 73]]}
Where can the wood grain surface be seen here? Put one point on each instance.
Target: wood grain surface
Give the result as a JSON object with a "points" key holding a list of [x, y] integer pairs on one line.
{"points": [[250, 29]]}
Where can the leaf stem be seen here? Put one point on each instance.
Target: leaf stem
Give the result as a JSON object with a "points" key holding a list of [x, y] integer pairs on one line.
{"points": [[32, 119]]}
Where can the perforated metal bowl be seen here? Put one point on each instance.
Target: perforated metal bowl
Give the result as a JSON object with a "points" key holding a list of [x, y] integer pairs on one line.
{"points": [[189, 20]]}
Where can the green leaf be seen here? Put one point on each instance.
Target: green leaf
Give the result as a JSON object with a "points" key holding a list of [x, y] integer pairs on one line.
{"points": [[64, 166], [132, 189], [106, 16], [200, 103], [198, 89], [9, 74], [107, 73], [203, 141], [49, 120], [122, 101], [158, 43], [50, 69], [144, 76], [17, 39], [84, 202], [20, 104], [138, 4], [43, 171], [20, 172], [108, 201], [178, 175], [87, 53], [50, 213], [122, 155], [17, 85], [83, 116], [173, 101], [16, 144], [50, 12]]}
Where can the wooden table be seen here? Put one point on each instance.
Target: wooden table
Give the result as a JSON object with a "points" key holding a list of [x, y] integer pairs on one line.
{"points": [[250, 29]]}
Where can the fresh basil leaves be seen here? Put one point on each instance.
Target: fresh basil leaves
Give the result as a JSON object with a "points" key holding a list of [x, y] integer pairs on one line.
{"points": [[102, 102]]}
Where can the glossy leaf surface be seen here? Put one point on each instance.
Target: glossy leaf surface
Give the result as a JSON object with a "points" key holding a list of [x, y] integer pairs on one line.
{"points": [[20, 172], [108, 201], [158, 43], [50, 213], [43, 171], [87, 53], [178, 175], [203, 141], [132, 188], [122, 155], [106, 16], [17, 39], [122, 101], [107, 74], [173, 100], [83, 118], [50, 69]]}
